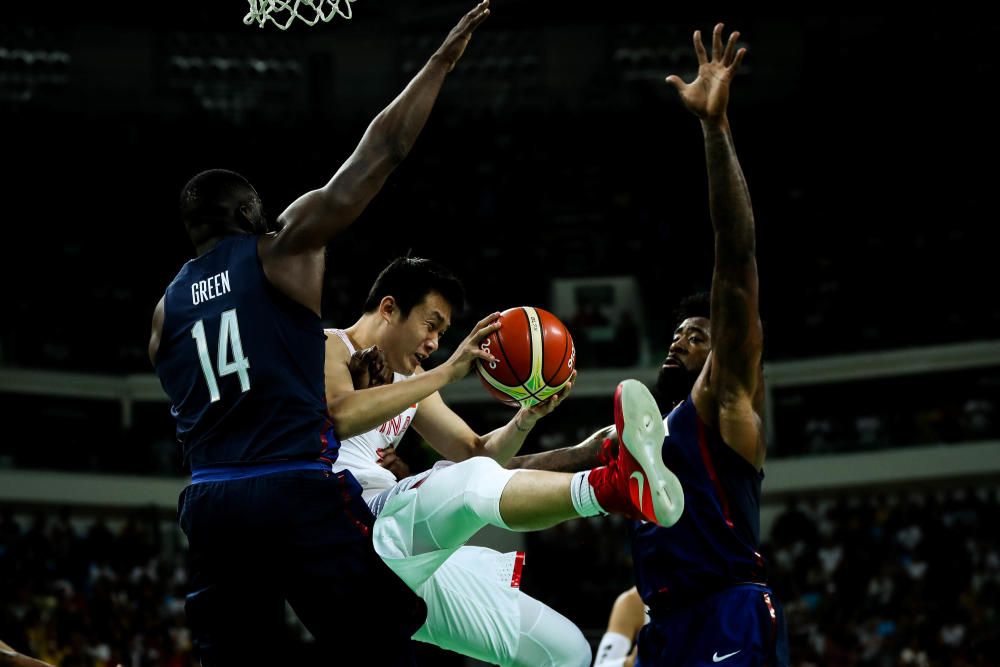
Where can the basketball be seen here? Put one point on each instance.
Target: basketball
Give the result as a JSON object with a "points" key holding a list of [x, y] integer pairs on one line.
{"points": [[535, 357]]}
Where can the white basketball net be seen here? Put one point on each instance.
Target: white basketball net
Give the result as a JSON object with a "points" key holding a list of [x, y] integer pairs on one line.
{"points": [[309, 12]]}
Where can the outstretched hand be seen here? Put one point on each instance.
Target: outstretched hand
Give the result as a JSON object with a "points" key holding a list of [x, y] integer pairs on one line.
{"points": [[472, 348], [456, 41], [708, 95]]}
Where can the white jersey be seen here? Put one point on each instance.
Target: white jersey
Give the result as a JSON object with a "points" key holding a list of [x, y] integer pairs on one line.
{"points": [[358, 454]]}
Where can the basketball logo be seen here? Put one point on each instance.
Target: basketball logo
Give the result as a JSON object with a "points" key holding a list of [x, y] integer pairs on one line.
{"points": [[535, 357]]}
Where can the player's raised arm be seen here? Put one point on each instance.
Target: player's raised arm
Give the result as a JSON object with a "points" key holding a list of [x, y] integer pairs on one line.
{"points": [[316, 217], [736, 332]]}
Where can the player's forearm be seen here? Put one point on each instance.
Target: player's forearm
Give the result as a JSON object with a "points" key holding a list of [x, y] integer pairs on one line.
{"points": [[318, 216], [566, 459], [360, 411], [501, 444], [396, 128], [729, 197]]}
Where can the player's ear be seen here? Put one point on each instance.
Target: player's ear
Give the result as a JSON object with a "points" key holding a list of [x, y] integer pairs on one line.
{"points": [[387, 308]]}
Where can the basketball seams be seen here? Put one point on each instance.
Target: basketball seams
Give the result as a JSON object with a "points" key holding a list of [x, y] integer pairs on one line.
{"points": [[527, 349], [500, 386], [536, 349], [513, 370], [562, 360], [499, 389]]}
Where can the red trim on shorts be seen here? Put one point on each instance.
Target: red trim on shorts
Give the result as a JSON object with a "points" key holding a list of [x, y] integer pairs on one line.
{"points": [[710, 468], [324, 441], [358, 523], [515, 577]]}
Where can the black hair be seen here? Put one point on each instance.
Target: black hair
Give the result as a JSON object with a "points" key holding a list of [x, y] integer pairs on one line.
{"points": [[694, 305], [409, 280], [698, 305], [212, 199]]}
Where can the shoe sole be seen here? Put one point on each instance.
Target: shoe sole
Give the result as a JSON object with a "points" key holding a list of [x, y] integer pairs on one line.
{"points": [[640, 429]]}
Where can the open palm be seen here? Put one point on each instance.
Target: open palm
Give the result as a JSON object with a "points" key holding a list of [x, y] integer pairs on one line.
{"points": [[708, 95]]}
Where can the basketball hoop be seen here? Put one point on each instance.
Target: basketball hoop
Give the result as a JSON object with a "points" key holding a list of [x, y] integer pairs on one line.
{"points": [[309, 12]]}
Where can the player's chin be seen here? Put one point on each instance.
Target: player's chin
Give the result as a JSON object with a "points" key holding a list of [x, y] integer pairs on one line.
{"points": [[672, 379], [671, 369]]}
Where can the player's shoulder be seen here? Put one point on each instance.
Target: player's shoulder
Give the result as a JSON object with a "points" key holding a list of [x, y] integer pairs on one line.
{"points": [[336, 347]]}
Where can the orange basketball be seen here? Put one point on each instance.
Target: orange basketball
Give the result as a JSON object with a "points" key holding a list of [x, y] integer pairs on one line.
{"points": [[535, 357]]}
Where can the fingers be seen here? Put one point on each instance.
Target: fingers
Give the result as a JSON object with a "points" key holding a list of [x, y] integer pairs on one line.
{"points": [[485, 356], [727, 57], [699, 48], [477, 15], [676, 82], [553, 401], [565, 391], [376, 360], [485, 327], [373, 364], [384, 376], [738, 60], [717, 42], [486, 320]]}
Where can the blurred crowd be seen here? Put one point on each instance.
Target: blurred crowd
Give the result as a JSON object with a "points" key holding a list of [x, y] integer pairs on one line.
{"points": [[901, 578], [874, 579], [91, 596]]}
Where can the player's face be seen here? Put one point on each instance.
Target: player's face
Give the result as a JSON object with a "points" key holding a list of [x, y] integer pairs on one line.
{"points": [[686, 357], [416, 337]]}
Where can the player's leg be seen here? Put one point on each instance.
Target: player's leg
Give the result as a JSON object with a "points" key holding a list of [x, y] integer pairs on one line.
{"points": [[549, 638], [223, 615], [335, 582], [636, 484], [475, 608], [452, 504], [232, 588]]}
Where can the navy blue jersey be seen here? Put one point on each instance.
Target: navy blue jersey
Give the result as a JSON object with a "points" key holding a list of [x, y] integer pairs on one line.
{"points": [[714, 545], [242, 363]]}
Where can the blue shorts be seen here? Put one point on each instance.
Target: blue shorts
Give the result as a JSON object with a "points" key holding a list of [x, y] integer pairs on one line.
{"points": [[301, 536], [740, 626]]}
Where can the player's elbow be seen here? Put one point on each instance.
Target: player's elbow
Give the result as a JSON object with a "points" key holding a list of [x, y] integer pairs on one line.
{"points": [[343, 422], [474, 447]]}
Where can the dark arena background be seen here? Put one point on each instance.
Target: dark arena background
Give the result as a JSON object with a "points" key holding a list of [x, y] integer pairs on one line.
{"points": [[557, 170]]}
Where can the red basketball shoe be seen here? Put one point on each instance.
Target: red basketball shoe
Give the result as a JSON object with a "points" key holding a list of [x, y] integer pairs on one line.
{"points": [[637, 484]]}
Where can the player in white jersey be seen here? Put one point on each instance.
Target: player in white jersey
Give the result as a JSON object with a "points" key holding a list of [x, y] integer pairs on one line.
{"points": [[362, 453], [474, 605]]}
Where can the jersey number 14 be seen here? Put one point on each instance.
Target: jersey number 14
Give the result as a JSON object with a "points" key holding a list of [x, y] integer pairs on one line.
{"points": [[229, 336]]}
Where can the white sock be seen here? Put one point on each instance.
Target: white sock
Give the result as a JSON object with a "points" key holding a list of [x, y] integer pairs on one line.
{"points": [[582, 493], [612, 650]]}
